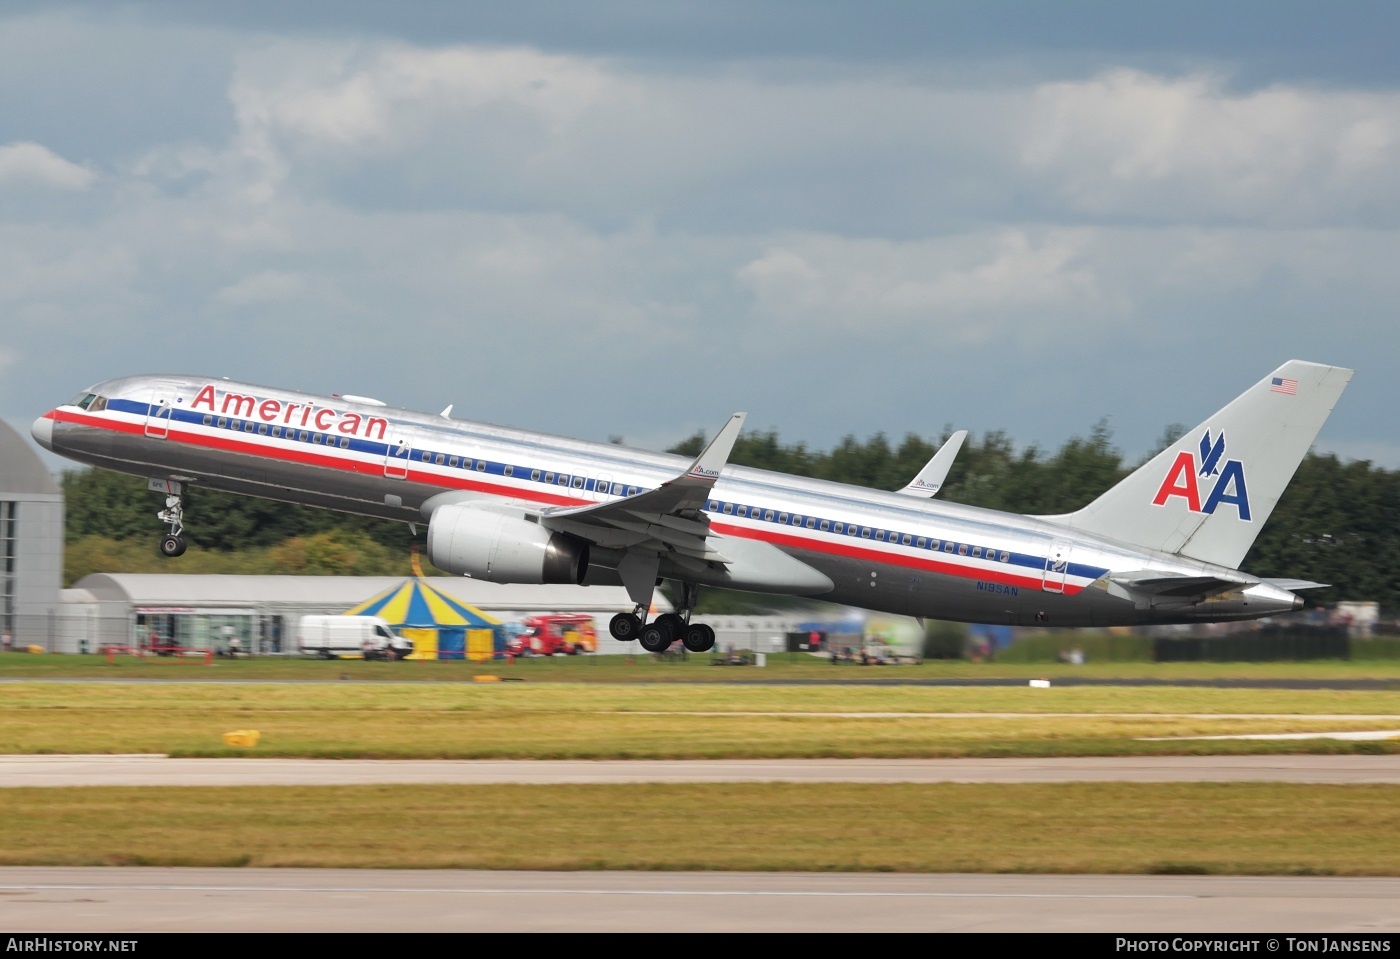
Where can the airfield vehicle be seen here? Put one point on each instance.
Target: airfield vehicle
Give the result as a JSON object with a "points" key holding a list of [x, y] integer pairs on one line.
{"points": [[340, 637], [569, 633]]}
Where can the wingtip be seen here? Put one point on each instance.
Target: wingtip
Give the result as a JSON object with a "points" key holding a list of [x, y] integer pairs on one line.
{"points": [[713, 458]]}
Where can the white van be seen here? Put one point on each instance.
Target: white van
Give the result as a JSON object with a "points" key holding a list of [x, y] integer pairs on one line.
{"points": [[367, 637]]}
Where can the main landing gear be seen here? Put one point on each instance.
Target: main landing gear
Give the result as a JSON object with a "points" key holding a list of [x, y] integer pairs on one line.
{"points": [[173, 543], [658, 635]]}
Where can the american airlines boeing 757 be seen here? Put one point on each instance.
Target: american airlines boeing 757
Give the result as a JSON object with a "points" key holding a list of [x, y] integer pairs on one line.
{"points": [[508, 506]]}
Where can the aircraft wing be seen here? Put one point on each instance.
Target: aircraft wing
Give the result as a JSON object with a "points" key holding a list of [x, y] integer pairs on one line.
{"points": [[668, 520], [931, 477], [1150, 589]]}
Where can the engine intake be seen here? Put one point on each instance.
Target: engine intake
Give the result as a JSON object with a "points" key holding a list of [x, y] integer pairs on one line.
{"points": [[501, 548]]}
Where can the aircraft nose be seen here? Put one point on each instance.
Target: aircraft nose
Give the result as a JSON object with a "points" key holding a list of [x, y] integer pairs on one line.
{"points": [[42, 431]]}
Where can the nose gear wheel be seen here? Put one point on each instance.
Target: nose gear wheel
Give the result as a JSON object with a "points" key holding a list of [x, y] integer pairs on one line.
{"points": [[173, 543]]}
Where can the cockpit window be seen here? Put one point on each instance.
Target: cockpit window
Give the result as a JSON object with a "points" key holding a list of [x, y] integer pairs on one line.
{"points": [[82, 400], [99, 403]]}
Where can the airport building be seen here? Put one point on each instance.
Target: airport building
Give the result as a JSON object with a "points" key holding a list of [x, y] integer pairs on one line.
{"points": [[205, 612], [31, 543], [200, 612]]}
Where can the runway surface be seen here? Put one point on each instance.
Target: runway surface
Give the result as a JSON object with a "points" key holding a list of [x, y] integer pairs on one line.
{"points": [[125, 900], [147, 770], [49, 900]]}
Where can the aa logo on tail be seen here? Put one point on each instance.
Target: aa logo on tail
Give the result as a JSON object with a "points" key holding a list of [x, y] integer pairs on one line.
{"points": [[1225, 479]]}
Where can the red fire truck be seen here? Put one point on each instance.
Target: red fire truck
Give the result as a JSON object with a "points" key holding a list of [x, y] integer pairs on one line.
{"points": [[568, 633]]}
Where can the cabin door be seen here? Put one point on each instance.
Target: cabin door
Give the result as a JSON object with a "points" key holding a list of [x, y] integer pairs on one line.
{"points": [[158, 417], [1056, 566], [396, 460]]}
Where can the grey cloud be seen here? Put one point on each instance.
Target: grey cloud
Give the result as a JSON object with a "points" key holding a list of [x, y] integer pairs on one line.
{"points": [[93, 85], [590, 246], [1267, 39], [518, 130]]}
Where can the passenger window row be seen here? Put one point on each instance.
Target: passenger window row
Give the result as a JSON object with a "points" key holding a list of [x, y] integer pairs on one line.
{"points": [[426, 456], [854, 529], [619, 489], [546, 477], [263, 429]]}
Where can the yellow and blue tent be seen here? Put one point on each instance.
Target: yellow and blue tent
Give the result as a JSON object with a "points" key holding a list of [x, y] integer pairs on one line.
{"points": [[439, 626]]}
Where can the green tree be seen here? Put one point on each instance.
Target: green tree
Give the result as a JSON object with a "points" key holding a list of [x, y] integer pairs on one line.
{"points": [[114, 505]]}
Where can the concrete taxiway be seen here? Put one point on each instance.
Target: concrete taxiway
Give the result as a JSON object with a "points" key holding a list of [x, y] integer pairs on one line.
{"points": [[122, 900]]}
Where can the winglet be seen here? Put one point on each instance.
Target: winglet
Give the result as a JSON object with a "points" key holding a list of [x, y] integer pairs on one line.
{"points": [[931, 477], [688, 491], [708, 464]]}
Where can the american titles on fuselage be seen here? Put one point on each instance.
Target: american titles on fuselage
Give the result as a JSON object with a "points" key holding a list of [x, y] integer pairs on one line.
{"points": [[288, 413]]}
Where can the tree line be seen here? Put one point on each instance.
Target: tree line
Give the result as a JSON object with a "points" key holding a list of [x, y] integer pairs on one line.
{"points": [[1337, 522]]}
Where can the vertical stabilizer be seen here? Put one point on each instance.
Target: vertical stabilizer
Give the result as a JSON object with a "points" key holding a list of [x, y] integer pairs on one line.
{"points": [[1208, 495]]}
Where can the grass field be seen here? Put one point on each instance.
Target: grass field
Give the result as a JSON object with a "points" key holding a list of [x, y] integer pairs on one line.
{"points": [[644, 668], [585, 708], [675, 721], [1197, 828]]}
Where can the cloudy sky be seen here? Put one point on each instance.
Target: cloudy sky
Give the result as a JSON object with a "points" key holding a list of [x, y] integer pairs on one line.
{"points": [[633, 217]]}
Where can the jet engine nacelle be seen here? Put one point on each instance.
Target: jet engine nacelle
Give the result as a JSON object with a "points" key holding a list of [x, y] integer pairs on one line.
{"points": [[502, 548]]}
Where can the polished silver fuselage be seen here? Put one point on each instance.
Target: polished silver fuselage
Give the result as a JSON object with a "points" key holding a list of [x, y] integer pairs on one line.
{"points": [[909, 555]]}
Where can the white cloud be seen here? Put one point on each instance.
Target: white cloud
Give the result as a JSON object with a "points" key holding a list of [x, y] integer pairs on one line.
{"points": [[396, 90], [969, 287], [1127, 143], [26, 162], [269, 285], [391, 125], [45, 264], [515, 128]]}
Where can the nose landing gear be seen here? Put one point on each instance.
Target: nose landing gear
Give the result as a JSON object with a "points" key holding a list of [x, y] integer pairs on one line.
{"points": [[173, 543]]}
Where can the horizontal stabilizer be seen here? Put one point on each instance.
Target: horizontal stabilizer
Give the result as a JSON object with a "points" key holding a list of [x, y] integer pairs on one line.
{"points": [[1293, 585], [1151, 589]]}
